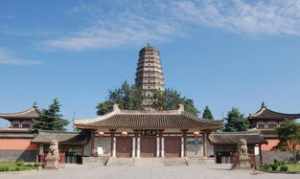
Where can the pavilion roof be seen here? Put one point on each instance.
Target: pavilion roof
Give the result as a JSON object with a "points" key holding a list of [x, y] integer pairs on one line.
{"points": [[29, 114], [265, 113], [130, 119], [235, 137]]}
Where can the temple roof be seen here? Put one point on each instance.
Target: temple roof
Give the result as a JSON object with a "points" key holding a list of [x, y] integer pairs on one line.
{"points": [[266, 113], [129, 119], [28, 114], [18, 133], [235, 137], [72, 138]]}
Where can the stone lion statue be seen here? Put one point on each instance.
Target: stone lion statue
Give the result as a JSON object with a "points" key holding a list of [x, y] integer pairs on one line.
{"points": [[52, 158], [243, 157], [243, 149]]}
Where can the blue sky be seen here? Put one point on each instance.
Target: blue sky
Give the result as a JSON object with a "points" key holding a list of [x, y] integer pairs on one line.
{"points": [[222, 54]]}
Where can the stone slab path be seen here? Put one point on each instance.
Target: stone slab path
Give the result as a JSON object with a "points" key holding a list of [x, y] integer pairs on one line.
{"points": [[143, 172]]}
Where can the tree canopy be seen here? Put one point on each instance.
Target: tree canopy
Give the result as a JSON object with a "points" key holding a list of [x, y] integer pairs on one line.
{"points": [[130, 97], [235, 121], [51, 119], [207, 114]]}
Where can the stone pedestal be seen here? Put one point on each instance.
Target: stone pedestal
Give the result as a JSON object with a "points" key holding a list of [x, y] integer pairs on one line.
{"points": [[52, 164], [244, 162]]}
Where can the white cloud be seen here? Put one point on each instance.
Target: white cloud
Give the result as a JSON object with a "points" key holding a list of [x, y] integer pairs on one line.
{"points": [[272, 17], [127, 22], [9, 58], [106, 35]]}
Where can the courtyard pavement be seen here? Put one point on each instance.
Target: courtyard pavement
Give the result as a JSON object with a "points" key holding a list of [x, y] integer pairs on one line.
{"points": [[143, 172]]}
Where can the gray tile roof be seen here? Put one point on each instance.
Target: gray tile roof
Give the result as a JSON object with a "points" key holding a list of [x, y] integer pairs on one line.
{"points": [[16, 133], [74, 138], [174, 119], [266, 113], [234, 137], [28, 114]]}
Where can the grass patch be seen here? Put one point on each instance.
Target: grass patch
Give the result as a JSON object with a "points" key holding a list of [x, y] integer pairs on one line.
{"points": [[293, 167], [16, 166]]}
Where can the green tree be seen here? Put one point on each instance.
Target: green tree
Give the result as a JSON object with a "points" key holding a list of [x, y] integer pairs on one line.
{"points": [[131, 97], [127, 97], [235, 121], [51, 119], [170, 99], [207, 114]]}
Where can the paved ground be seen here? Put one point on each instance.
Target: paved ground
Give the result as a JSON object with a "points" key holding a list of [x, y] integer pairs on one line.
{"points": [[143, 172]]}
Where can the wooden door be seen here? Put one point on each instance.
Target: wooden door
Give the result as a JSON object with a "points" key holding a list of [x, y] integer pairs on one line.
{"points": [[148, 146], [124, 146], [172, 146]]}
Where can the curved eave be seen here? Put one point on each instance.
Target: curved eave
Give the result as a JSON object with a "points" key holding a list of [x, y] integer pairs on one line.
{"points": [[265, 113], [28, 114]]}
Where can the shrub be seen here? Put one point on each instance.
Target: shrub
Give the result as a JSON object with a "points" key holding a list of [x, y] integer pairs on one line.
{"points": [[274, 166], [4, 168], [20, 163], [283, 168], [265, 167]]}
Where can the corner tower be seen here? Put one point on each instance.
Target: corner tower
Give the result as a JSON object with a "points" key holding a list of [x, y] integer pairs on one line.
{"points": [[149, 74]]}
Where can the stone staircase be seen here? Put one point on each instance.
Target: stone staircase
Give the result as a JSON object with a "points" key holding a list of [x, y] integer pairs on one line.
{"points": [[147, 162], [151, 162]]}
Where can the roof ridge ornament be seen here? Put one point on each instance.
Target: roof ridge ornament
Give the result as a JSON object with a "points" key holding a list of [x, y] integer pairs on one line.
{"points": [[181, 108], [116, 108], [263, 105]]}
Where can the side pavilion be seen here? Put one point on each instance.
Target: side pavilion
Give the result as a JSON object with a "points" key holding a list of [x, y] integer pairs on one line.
{"points": [[128, 133]]}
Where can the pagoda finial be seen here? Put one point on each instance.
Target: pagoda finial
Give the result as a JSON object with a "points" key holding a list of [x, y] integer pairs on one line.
{"points": [[34, 105], [116, 108], [263, 105], [148, 45], [181, 108]]}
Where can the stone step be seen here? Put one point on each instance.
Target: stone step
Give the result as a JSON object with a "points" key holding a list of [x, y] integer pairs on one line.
{"points": [[120, 162], [175, 162], [200, 161], [97, 161], [150, 162]]}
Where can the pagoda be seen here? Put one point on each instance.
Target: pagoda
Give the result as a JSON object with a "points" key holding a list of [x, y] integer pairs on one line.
{"points": [[149, 74]]}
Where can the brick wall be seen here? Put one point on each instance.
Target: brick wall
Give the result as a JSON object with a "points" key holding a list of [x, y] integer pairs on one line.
{"points": [[17, 149]]}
